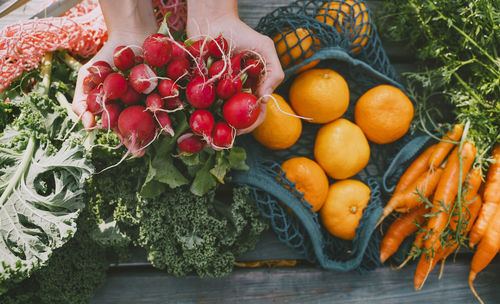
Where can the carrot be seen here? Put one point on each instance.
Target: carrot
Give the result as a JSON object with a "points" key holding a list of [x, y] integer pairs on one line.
{"points": [[410, 198], [417, 167], [474, 208], [446, 191], [416, 246], [444, 147], [424, 267], [428, 262], [401, 228], [486, 250], [491, 197], [445, 194]]}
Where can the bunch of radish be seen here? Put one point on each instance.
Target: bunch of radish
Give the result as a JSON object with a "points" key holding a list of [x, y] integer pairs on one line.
{"points": [[204, 78]]}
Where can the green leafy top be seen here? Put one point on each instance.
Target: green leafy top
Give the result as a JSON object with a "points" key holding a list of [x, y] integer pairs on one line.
{"points": [[169, 169], [457, 44], [41, 178]]}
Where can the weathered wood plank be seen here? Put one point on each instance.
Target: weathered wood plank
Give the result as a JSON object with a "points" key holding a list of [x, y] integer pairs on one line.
{"points": [[302, 284]]}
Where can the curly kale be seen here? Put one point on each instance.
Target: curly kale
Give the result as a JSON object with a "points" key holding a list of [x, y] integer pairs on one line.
{"points": [[73, 273], [186, 233], [182, 232], [113, 192]]}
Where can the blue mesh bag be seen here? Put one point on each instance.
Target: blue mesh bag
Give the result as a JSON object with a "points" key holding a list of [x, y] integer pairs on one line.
{"points": [[339, 35]]}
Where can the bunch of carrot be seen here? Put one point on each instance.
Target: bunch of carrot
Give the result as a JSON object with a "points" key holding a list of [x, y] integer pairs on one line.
{"points": [[441, 199]]}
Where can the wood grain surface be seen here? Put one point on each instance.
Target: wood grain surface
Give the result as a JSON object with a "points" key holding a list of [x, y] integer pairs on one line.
{"points": [[301, 284]]}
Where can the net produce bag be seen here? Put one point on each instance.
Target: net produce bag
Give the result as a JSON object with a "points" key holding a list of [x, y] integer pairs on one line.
{"points": [[339, 35]]}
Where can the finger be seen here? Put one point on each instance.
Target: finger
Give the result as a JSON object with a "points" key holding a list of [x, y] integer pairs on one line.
{"points": [[79, 104], [260, 119], [88, 120], [274, 73]]}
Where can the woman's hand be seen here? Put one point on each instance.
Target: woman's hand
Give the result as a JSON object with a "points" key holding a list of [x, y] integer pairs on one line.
{"points": [[215, 17], [128, 23]]}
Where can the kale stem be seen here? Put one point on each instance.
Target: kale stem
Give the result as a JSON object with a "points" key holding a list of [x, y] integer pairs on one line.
{"points": [[45, 73], [71, 62], [20, 171]]}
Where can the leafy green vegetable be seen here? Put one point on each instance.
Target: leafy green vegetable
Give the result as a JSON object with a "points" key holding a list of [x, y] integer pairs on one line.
{"points": [[186, 233], [181, 231], [202, 170], [73, 273], [457, 44], [41, 178]]}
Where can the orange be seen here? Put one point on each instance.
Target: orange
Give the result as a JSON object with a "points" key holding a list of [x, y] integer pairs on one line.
{"points": [[343, 207], [279, 130], [293, 47], [320, 94], [309, 179], [341, 149], [384, 113], [348, 16]]}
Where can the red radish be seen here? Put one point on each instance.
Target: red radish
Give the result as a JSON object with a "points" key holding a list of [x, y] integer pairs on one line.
{"points": [[114, 86], [178, 67], [154, 103], [241, 110], [143, 79], [156, 50], [173, 103], [199, 69], [110, 114], [89, 83], [190, 143], [168, 88], [123, 57], [100, 69], [236, 62], [196, 49], [137, 128], [217, 68], [238, 85], [202, 123], [250, 83], [165, 123], [217, 47], [130, 97], [253, 66], [138, 59], [95, 100], [200, 93], [222, 136], [228, 86], [178, 49]]}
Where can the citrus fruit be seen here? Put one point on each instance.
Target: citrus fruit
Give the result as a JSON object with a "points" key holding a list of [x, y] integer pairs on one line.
{"points": [[319, 94], [384, 113], [293, 46], [309, 179], [348, 17], [341, 149], [343, 207], [279, 130]]}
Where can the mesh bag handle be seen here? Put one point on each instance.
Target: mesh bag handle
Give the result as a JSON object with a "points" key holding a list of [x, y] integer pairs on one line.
{"points": [[339, 35]]}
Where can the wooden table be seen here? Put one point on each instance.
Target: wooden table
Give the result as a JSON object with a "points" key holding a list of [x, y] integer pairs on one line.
{"points": [[138, 282]]}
